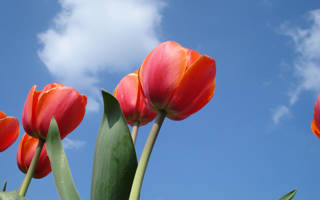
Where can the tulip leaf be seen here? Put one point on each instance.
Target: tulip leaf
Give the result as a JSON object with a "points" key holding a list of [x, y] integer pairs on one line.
{"points": [[59, 164], [115, 160], [13, 195], [289, 196]]}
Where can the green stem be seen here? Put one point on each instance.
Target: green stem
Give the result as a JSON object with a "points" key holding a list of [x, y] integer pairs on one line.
{"points": [[138, 178], [27, 179], [134, 132], [4, 185]]}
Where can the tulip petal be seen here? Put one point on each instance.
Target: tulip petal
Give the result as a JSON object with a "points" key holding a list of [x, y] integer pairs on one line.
{"points": [[192, 56], [26, 150], [65, 104], [128, 99], [2, 115], [316, 112], [195, 89], [9, 131], [28, 117], [315, 129], [161, 72], [52, 85]]}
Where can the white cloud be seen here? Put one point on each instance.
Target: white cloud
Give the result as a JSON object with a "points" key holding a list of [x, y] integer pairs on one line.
{"points": [[72, 144], [307, 48], [307, 61], [280, 112], [88, 37]]}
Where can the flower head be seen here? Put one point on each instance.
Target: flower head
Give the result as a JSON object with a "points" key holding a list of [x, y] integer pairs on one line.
{"points": [[177, 80], [9, 131], [63, 103]]}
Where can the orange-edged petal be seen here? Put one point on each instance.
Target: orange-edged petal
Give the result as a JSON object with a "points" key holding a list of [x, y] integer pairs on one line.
{"points": [[195, 89], [316, 112], [9, 131], [2, 114], [52, 85], [26, 150], [28, 118], [146, 115], [65, 104], [161, 71], [192, 56], [315, 129]]}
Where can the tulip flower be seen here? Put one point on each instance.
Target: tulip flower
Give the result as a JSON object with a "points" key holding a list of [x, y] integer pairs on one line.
{"points": [[26, 150], [315, 124], [177, 80], [132, 102], [177, 83], [9, 130], [63, 103]]}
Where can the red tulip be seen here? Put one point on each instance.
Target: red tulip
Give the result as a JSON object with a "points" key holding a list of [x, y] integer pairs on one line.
{"points": [[63, 103], [26, 150], [177, 80], [9, 131], [132, 102], [315, 124]]}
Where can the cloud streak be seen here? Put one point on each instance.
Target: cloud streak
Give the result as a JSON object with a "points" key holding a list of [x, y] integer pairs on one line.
{"points": [[88, 37], [307, 62], [72, 144]]}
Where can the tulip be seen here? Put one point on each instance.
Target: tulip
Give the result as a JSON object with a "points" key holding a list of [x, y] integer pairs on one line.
{"points": [[177, 83], [132, 102], [26, 150], [9, 131], [177, 80], [315, 124], [63, 103]]}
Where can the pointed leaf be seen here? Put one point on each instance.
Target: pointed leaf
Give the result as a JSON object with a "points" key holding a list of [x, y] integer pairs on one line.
{"points": [[289, 196], [13, 195], [59, 164], [115, 160]]}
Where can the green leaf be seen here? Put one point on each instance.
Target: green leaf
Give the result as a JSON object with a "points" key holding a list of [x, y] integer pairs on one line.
{"points": [[13, 195], [59, 164], [115, 160], [289, 196]]}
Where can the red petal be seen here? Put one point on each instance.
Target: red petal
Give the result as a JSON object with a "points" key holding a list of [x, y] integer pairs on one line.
{"points": [[28, 118], [315, 129], [63, 103], [161, 72], [2, 115], [26, 150], [195, 89], [192, 56], [52, 85], [9, 131], [126, 93]]}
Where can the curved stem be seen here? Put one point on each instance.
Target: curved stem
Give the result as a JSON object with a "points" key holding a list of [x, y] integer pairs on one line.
{"points": [[134, 132], [138, 178], [27, 179]]}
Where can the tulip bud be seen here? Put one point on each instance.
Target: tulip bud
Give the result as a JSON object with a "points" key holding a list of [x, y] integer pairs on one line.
{"points": [[132, 101], [177, 80], [63, 103], [9, 131], [26, 150]]}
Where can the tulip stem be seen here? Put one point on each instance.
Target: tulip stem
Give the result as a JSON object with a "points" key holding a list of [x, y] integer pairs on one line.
{"points": [[4, 186], [134, 132], [27, 179], [138, 178]]}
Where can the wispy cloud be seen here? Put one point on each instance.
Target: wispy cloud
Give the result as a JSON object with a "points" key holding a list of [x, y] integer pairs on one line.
{"points": [[72, 144], [307, 48], [280, 112], [307, 62], [88, 37]]}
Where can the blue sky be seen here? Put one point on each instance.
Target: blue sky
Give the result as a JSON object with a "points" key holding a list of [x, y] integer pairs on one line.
{"points": [[252, 141]]}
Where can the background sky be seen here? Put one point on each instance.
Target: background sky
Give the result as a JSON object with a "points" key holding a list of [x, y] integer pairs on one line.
{"points": [[251, 141]]}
